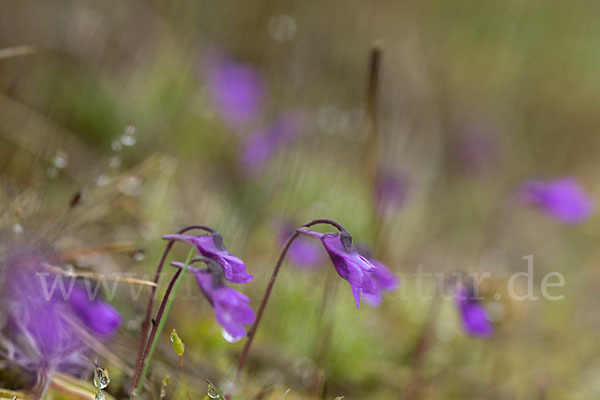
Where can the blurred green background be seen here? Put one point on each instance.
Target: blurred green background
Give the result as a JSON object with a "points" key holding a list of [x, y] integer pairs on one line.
{"points": [[525, 73]]}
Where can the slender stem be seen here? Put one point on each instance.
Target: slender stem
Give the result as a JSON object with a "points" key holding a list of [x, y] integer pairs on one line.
{"points": [[324, 333], [187, 387], [265, 298], [159, 323], [147, 319]]}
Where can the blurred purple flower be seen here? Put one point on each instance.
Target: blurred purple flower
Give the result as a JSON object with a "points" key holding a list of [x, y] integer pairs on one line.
{"points": [[49, 308], [236, 90], [232, 309], [562, 198], [303, 252], [261, 144], [390, 191], [350, 265], [212, 246], [473, 315], [475, 148], [385, 281], [100, 317]]}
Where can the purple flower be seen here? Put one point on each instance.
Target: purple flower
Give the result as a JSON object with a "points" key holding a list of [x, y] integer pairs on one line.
{"points": [[261, 144], [562, 198], [51, 310], [350, 265], [390, 191], [232, 309], [385, 281], [473, 315], [236, 90], [212, 246], [100, 317], [303, 252]]}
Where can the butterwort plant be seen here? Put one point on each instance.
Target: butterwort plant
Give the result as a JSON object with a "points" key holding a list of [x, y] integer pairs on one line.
{"points": [[348, 263], [231, 307]]}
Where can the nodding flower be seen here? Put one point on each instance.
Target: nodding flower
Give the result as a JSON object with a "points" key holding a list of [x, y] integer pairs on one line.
{"points": [[473, 315], [212, 246], [562, 198], [349, 264], [232, 309]]}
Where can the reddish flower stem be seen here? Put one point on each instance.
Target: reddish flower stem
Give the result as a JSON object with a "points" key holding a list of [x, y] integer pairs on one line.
{"points": [[265, 298], [148, 318]]}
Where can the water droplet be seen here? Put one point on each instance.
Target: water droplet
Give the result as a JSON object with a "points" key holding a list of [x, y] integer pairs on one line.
{"points": [[102, 180], [229, 338], [128, 138], [282, 28], [116, 145], [212, 392], [130, 186], [61, 159], [17, 228], [139, 255], [101, 378]]}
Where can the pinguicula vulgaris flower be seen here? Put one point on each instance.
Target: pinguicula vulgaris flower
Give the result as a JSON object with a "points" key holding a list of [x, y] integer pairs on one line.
{"points": [[212, 246], [236, 89], [348, 263], [232, 309], [562, 198], [473, 315]]}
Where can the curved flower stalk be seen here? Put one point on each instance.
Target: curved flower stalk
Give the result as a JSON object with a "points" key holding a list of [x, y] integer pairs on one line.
{"points": [[211, 246], [348, 263], [473, 315], [562, 198], [303, 253], [232, 309]]}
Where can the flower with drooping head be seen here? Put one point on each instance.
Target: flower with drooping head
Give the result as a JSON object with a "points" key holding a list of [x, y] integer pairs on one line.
{"points": [[232, 309], [562, 198], [212, 246], [348, 263], [472, 313], [262, 144], [236, 89], [384, 280], [391, 189]]}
